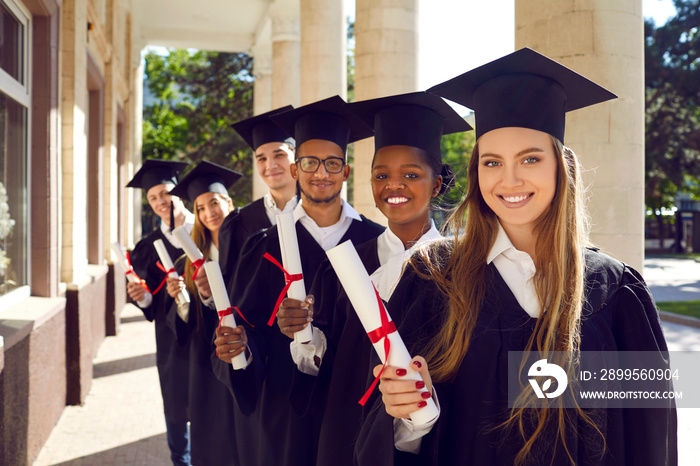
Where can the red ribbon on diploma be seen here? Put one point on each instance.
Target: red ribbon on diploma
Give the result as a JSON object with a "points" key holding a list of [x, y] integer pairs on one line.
{"points": [[165, 279], [288, 280], [228, 312], [197, 265], [131, 271], [375, 335]]}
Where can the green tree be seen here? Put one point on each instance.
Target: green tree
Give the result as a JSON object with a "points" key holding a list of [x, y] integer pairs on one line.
{"points": [[456, 149], [672, 119], [195, 97]]}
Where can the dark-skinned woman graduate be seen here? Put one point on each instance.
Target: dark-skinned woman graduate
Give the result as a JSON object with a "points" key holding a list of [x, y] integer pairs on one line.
{"points": [[210, 405], [519, 279], [407, 175]]}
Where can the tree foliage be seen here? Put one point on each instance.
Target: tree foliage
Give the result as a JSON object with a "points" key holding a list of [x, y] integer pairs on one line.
{"points": [[672, 81], [192, 98]]}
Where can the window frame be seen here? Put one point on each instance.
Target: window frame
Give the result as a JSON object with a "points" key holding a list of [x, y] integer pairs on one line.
{"points": [[21, 93]]}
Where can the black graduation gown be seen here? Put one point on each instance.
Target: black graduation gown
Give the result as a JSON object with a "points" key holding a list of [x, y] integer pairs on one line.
{"points": [[619, 315], [333, 396], [238, 226], [211, 407], [262, 391], [171, 358]]}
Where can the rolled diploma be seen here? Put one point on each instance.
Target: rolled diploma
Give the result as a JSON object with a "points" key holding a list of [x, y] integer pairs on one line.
{"points": [[360, 290], [291, 262], [187, 244], [218, 290], [183, 296], [119, 253]]}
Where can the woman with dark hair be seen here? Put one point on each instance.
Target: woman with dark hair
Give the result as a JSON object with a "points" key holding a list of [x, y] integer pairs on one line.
{"points": [[407, 175], [519, 277]]}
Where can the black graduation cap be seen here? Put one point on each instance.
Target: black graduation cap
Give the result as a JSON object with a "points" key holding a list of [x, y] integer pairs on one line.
{"points": [[329, 119], [523, 89], [417, 119], [206, 177], [260, 130], [154, 172]]}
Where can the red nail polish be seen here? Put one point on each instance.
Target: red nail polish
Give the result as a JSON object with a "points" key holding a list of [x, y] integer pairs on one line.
{"points": [[425, 395], [420, 384], [417, 364], [400, 372], [422, 404]]}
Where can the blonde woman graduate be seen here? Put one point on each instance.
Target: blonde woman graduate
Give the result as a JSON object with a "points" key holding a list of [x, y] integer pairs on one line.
{"points": [[407, 175], [210, 406], [519, 277]]}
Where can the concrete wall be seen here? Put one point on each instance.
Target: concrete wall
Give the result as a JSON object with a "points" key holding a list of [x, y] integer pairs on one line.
{"points": [[50, 338], [33, 380]]}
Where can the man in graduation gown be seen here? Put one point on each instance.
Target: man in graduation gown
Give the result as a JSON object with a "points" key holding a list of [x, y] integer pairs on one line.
{"points": [[274, 153], [157, 178], [323, 220]]}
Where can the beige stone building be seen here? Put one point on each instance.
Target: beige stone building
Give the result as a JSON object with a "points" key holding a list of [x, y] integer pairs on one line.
{"points": [[70, 139]]}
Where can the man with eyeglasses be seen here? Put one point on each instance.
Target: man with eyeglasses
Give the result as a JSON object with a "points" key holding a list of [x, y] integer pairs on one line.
{"points": [[323, 220]]}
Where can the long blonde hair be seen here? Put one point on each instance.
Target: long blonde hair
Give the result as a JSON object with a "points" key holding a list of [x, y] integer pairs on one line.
{"points": [[203, 240], [559, 282]]}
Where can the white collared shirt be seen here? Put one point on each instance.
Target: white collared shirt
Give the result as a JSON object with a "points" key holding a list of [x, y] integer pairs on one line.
{"points": [[327, 237], [273, 211], [517, 269], [189, 224], [393, 258]]}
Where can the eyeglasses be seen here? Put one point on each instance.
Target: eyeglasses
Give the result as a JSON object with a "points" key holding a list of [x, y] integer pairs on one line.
{"points": [[311, 164]]}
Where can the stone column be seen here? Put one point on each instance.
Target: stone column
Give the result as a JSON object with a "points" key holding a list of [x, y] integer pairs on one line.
{"points": [[323, 47], [603, 40], [286, 53], [74, 140], [386, 63], [262, 99]]}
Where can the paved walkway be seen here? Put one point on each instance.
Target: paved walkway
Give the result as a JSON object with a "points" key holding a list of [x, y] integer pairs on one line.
{"points": [[121, 422]]}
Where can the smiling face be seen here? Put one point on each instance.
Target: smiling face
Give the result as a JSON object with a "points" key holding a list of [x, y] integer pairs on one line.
{"points": [[159, 200], [211, 210], [273, 160], [403, 185], [517, 176], [320, 186]]}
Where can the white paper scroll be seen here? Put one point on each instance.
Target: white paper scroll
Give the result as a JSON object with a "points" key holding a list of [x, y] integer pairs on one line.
{"points": [[218, 290], [183, 297], [216, 284], [119, 253], [187, 244], [292, 264], [360, 290]]}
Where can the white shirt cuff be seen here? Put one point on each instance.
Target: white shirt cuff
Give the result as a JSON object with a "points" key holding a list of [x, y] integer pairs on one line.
{"points": [[408, 436], [146, 301], [303, 354], [208, 302]]}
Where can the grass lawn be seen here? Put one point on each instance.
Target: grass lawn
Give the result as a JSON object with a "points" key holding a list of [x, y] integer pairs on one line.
{"points": [[686, 308]]}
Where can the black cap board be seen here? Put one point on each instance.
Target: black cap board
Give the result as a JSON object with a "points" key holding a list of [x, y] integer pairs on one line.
{"points": [[417, 119], [154, 172], [329, 119], [206, 177], [260, 130], [523, 89]]}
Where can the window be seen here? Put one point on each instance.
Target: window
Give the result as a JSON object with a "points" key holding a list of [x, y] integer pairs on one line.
{"points": [[14, 105]]}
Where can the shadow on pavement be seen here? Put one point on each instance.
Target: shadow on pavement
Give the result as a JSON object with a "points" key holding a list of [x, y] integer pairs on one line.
{"points": [[151, 451], [120, 366]]}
